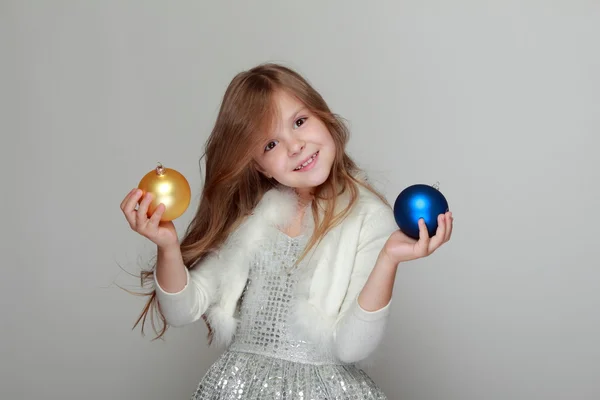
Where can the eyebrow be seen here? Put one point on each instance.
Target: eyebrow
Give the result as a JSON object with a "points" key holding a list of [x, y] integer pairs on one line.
{"points": [[294, 115]]}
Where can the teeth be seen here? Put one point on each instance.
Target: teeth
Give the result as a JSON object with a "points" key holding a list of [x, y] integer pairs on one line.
{"points": [[307, 162]]}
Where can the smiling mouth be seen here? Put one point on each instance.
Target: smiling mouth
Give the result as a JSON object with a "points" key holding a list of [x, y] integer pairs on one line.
{"points": [[307, 162]]}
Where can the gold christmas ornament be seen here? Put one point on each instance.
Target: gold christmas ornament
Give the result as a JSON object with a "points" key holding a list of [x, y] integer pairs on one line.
{"points": [[168, 187]]}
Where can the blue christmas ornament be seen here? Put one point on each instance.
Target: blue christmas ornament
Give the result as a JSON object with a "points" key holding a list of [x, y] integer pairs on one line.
{"points": [[419, 201]]}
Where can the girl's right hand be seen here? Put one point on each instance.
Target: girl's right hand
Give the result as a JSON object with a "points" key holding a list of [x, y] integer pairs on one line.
{"points": [[163, 234]]}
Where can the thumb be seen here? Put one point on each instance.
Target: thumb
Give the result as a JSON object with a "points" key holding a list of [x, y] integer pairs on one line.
{"points": [[423, 243]]}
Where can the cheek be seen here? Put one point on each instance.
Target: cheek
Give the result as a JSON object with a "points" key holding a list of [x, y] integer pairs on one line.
{"points": [[273, 164], [330, 142], [279, 165], [263, 167], [325, 136]]}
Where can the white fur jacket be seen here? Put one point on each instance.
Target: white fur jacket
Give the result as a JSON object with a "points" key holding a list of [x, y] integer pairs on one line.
{"points": [[332, 274]]}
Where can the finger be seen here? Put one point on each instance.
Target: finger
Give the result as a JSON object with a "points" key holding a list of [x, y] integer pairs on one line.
{"points": [[132, 201], [142, 212], [440, 234], [129, 209], [155, 218], [126, 198], [449, 223]]}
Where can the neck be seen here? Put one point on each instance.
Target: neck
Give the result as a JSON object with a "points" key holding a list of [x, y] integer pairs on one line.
{"points": [[305, 196]]}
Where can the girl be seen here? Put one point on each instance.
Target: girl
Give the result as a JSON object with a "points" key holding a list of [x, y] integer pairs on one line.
{"points": [[291, 257]]}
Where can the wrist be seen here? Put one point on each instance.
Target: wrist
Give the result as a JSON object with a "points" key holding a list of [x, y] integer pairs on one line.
{"points": [[169, 248], [385, 259]]}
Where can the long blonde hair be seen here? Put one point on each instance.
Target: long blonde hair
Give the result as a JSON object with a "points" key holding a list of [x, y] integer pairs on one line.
{"points": [[233, 186]]}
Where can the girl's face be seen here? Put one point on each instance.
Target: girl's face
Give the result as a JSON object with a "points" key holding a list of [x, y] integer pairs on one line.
{"points": [[300, 151]]}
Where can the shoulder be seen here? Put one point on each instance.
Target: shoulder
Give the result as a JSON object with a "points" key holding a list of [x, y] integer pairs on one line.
{"points": [[369, 204], [371, 214]]}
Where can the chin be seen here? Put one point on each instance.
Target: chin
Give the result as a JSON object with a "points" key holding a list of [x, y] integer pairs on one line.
{"points": [[305, 183], [314, 182]]}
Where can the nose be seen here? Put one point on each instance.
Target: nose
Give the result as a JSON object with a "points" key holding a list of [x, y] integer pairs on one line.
{"points": [[296, 146]]}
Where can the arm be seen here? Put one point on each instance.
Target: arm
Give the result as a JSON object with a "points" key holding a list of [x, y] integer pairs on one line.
{"points": [[183, 294], [377, 292], [359, 324], [170, 270], [365, 310]]}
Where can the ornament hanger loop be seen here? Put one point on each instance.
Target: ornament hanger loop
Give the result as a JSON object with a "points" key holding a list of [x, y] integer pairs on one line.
{"points": [[436, 185], [160, 170]]}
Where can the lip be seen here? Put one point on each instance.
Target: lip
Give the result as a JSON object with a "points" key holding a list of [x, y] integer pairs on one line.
{"points": [[307, 158]]}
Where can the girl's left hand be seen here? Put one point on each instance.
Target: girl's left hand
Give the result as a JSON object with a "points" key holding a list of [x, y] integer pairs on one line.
{"points": [[400, 248]]}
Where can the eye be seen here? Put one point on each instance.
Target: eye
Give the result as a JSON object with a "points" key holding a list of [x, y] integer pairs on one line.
{"points": [[299, 122], [270, 146]]}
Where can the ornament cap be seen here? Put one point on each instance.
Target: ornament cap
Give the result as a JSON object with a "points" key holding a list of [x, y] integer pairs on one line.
{"points": [[160, 170], [436, 185]]}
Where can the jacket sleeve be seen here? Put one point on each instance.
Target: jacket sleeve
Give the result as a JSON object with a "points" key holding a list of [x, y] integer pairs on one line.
{"points": [[358, 332], [188, 305]]}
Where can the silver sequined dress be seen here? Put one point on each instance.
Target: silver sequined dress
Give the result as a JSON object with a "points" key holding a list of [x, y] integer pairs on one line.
{"points": [[266, 359]]}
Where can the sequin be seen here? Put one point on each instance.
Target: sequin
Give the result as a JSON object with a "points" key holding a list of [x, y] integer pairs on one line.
{"points": [[267, 360]]}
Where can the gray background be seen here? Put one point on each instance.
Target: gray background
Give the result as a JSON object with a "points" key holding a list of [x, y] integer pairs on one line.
{"points": [[498, 101]]}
